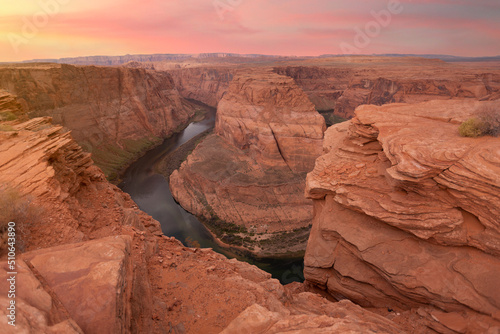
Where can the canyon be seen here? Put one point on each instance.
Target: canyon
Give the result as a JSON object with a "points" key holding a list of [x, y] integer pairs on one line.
{"points": [[400, 213], [236, 179], [92, 262], [339, 84]]}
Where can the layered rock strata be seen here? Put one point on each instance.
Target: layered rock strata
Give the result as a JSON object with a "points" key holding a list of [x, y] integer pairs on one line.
{"points": [[406, 214], [251, 172], [114, 113]]}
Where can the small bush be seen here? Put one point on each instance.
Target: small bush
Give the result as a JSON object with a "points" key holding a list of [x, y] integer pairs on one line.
{"points": [[7, 116], [472, 127], [490, 117], [18, 209], [487, 123]]}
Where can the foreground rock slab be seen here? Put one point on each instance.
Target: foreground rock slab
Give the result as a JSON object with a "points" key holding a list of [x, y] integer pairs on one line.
{"points": [[83, 284], [406, 213]]}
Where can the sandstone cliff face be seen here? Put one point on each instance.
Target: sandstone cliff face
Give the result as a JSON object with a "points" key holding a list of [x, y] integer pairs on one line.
{"points": [[251, 171], [273, 120], [113, 113], [406, 214], [345, 86], [205, 84]]}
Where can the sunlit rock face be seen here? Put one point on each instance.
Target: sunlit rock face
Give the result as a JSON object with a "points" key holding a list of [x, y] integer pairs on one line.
{"points": [[406, 211], [251, 172]]}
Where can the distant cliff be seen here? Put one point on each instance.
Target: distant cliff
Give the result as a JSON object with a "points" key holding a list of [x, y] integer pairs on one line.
{"points": [[338, 86], [344, 87], [205, 84], [114, 113]]}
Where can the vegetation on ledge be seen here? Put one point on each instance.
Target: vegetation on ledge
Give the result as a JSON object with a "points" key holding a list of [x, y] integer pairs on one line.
{"points": [[487, 123]]}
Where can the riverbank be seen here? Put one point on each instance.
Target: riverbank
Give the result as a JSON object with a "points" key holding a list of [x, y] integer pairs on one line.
{"points": [[173, 160], [115, 175]]}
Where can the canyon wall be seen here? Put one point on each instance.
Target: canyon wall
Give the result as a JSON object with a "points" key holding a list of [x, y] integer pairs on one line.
{"points": [[344, 86], [406, 215], [114, 113], [88, 260], [204, 84], [250, 174]]}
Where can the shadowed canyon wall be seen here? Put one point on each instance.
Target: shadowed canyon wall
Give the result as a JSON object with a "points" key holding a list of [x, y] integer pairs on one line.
{"points": [[114, 113]]}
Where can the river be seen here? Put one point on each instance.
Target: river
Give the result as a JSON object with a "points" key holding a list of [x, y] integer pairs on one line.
{"points": [[151, 192]]}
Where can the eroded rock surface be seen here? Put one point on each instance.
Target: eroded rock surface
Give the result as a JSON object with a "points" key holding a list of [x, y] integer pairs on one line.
{"points": [[406, 213], [251, 172]]}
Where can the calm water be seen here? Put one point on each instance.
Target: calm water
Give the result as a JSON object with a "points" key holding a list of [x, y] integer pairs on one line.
{"points": [[152, 194]]}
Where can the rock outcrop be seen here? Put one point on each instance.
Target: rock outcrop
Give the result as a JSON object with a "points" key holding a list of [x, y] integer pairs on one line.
{"points": [[251, 172], [321, 317], [114, 113], [50, 284], [36, 153], [406, 214], [9, 106]]}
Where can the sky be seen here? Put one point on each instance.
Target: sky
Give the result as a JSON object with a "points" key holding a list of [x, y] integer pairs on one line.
{"points": [[36, 29]]}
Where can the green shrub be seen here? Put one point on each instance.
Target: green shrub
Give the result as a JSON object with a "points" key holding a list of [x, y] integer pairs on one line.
{"points": [[5, 127], [487, 122], [7, 116], [472, 127]]}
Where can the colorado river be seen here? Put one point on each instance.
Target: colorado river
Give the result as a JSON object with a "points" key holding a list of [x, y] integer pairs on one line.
{"points": [[152, 194]]}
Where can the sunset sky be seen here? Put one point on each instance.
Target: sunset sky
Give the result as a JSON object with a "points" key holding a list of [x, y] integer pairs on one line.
{"points": [[67, 28]]}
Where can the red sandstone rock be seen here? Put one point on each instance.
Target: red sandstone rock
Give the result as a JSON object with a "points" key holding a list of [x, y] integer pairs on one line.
{"points": [[273, 119], [322, 317], [251, 172], [90, 280], [406, 211]]}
